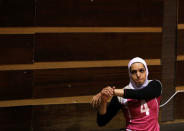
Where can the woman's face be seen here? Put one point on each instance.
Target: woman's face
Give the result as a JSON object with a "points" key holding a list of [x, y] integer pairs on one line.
{"points": [[138, 73]]}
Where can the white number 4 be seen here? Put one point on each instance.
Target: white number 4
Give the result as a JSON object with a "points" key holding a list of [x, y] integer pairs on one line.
{"points": [[144, 107]]}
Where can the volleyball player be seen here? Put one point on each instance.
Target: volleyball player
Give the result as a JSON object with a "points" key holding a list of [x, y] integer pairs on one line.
{"points": [[139, 100]]}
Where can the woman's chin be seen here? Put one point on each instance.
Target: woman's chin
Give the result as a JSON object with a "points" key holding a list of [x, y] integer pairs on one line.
{"points": [[139, 83]]}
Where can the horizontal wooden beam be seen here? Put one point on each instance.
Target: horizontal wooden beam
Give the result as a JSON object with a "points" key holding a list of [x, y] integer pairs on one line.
{"points": [[77, 64], [46, 101], [180, 26], [173, 122], [179, 88], [73, 64], [33, 30], [180, 58], [50, 101]]}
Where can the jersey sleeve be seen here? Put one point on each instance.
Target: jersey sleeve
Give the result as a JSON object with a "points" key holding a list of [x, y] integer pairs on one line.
{"points": [[112, 109], [152, 90]]}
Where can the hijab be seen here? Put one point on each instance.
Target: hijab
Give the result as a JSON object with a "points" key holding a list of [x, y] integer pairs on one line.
{"points": [[132, 84]]}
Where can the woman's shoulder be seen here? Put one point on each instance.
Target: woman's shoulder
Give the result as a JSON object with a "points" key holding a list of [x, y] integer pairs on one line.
{"points": [[155, 82]]}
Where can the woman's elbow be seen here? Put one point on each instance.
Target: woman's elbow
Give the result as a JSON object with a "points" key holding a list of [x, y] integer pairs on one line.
{"points": [[101, 123]]}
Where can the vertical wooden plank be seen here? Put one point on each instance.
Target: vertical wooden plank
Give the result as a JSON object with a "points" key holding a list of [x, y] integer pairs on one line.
{"points": [[169, 56]]}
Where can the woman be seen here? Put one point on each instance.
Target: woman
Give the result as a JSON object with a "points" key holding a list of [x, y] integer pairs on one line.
{"points": [[139, 100]]}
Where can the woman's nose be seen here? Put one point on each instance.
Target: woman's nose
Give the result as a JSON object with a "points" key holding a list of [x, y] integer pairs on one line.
{"points": [[138, 74]]}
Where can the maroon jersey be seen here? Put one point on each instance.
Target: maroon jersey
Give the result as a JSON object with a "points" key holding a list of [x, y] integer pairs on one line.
{"points": [[140, 108], [141, 115]]}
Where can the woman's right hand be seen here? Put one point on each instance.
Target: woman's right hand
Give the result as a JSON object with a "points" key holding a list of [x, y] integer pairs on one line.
{"points": [[103, 96], [106, 94], [96, 100]]}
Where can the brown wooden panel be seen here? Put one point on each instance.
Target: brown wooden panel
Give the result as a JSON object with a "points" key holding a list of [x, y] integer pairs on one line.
{"points": [[17, 12], [16, 49], [169, 56], [79, 82], [99, 13], [180, 11], [96, 46], [180, 43], [178, 106], [73, 117], [15, 84], [15, 119], [179, 126], [179, 73]]}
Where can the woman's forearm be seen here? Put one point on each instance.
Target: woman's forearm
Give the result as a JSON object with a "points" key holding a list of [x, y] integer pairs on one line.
{"points": [[102, 108]]}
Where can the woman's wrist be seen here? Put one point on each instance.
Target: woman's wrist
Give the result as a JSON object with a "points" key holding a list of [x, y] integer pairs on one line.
{"points": [[118, 92]]}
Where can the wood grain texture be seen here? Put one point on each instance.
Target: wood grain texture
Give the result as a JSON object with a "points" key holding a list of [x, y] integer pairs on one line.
{"points": [[176, 125], [178, 104], [47, 101], [101, 13], [179, 73], [180, 58], [17, 13], [15, 118], [180, 26], [15, 85], [16, 49], [179, 88], [34, 30], [76, 64], [180, 42], [69, 117], [83, 81], [76, 82], [96, 46], [169, 56], [180, 11], [55, 101]]}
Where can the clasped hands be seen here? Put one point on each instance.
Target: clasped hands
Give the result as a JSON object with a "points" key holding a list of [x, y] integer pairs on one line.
{"points": [[103, 96]]}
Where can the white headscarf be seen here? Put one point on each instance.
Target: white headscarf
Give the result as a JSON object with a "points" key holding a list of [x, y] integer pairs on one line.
{"points": [[132, 83]]}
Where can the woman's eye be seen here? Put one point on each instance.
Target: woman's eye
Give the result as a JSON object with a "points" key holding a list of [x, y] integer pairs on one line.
{"points": [[133, 71], [141, 70]]}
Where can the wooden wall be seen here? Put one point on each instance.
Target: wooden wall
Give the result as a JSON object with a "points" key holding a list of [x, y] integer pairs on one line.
{"points": [[55, 55], [179, 114]]}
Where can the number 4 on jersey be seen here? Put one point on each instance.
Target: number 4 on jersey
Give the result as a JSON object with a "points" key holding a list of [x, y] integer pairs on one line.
{"points": [[144, 107]]}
